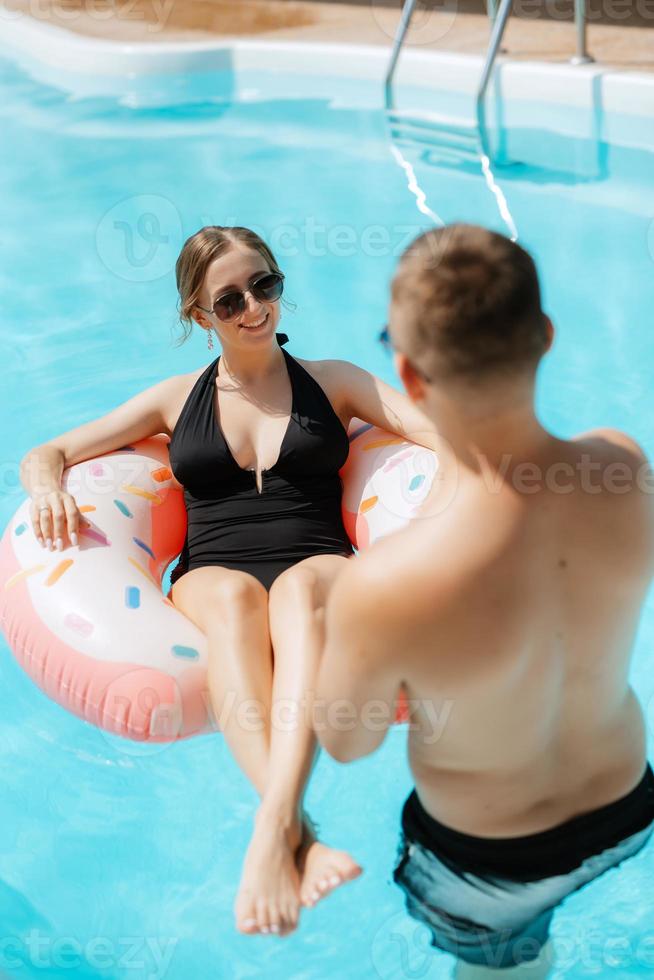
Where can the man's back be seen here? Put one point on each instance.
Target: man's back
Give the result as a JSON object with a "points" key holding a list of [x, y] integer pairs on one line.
{"points": [[525, 594], [508, 611]]}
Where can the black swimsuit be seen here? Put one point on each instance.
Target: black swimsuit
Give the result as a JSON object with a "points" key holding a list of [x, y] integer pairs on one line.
{"points": [[298, 512]]}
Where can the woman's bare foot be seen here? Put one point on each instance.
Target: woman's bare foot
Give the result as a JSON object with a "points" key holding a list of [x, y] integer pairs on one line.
{"points": [[322, 868], [268, 898]]}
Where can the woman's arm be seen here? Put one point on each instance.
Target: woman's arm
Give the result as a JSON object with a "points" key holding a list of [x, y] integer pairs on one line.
{"points": [[370, 399], [53, 510]]}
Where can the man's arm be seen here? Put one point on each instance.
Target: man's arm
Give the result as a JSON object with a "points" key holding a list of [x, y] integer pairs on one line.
{"points": [[359, 677]]}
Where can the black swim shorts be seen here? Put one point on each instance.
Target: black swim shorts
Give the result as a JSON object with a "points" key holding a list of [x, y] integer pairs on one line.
{"points": [[490, 901]]}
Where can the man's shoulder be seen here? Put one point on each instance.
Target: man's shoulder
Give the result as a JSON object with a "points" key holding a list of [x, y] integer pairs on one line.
{"points": [[612, 461], [403, 571], [381, 603], [611, 445], [620, 485]]}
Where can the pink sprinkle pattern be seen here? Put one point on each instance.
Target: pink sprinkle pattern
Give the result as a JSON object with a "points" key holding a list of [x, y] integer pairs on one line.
{"points": [[392, 463], [76, 622]]}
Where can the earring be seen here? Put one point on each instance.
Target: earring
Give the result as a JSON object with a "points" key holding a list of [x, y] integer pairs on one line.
{"points": [[209, 339]]}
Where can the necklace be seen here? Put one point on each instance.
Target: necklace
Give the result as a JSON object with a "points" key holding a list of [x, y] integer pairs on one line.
{"points": [[237, 381]]}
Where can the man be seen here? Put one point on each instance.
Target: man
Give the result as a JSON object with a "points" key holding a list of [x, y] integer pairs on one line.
{"points": [[507, 609]]}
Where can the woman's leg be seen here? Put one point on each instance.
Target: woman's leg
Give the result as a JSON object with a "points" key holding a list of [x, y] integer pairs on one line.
{"points": [[297, 602], [231, 608]]}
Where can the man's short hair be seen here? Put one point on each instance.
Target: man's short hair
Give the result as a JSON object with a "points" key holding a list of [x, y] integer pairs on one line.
{"points": [[466, 303]]}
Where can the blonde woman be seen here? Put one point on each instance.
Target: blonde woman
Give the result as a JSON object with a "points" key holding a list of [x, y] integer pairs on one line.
{"points": [[257, 439]]}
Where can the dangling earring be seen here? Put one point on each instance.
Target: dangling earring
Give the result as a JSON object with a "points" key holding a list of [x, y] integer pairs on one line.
{"points": [[209, 339]]}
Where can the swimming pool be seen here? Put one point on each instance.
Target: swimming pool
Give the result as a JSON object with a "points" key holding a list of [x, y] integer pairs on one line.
{"points": [[118, 860]]}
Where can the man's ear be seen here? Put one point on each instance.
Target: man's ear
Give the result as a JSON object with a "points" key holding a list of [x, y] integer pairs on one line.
{"points": [[549, 326], [414, 385]]}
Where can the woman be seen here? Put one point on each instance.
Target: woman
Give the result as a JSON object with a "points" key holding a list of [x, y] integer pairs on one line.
{"points": [[257, 440]]}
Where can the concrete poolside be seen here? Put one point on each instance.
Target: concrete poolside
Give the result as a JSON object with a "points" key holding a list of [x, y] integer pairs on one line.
{"points": [[542, 30]]}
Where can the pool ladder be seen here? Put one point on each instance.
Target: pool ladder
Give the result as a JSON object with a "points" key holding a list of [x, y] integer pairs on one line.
{"points": [[465, 145], [499, 20]]}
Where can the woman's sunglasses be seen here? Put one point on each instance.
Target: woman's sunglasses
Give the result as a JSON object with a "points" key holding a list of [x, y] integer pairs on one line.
{"points": [[385, 340], [266, 289]]}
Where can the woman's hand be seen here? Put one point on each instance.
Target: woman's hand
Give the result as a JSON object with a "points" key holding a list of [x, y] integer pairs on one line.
{"points": [[52, 514]]}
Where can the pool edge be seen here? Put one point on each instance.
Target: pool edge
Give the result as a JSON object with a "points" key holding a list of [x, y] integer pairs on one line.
{"points": [[62, 57]]}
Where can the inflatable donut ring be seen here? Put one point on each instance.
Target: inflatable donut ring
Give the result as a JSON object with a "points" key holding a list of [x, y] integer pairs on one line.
{"points": [[91, 626]]}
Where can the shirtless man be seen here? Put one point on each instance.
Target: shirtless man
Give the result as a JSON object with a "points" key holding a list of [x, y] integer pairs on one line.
{"points": [[507, 610]]}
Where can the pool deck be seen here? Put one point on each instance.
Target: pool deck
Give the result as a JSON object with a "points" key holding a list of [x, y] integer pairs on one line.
{"points": [[542, 31]]}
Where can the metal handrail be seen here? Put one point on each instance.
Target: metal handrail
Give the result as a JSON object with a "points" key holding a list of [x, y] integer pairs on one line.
{"points": [[582, 57], [497, 33], [499, 21], [402, 28]]}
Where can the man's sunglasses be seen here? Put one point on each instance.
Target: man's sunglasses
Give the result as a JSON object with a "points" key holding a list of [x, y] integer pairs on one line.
{"points": [[385, 340], [266, 289]]}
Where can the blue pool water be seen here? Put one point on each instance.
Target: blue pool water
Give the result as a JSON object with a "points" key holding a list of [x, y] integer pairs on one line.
{"points": [[119, 861]]}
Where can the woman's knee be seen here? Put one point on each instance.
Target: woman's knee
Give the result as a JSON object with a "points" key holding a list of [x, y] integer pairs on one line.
{"points": [[214, 591], [300, 585], [236, 592]]}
